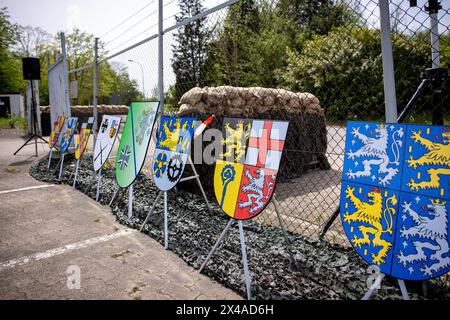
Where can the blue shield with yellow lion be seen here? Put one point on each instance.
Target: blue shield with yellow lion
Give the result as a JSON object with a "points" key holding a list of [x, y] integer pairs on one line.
{"points": [[397, 217], [172, 151]]}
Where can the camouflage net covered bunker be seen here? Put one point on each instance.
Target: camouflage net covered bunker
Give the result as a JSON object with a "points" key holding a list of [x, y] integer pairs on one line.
{"points": [[306, 141]]}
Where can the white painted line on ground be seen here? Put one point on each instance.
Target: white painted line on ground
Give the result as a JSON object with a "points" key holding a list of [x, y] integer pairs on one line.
{"points": [[26, 189], [61, 250]]}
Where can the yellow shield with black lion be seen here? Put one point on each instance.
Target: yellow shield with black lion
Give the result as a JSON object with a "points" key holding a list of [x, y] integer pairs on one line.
{"points": [[247, 169]]}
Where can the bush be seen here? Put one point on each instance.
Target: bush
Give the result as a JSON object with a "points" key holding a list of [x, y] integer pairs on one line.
{"points": [[13, 122], [344, 70]]}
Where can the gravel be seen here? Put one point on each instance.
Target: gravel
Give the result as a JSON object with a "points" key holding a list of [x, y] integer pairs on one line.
{"points": [[305, 269]]}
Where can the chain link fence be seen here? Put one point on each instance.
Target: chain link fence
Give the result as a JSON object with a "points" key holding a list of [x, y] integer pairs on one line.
{"points": [[285, 54]]}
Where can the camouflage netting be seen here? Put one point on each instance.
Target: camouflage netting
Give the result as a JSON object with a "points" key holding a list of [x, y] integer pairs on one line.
{"points": [[305, 269], [306, 141]]}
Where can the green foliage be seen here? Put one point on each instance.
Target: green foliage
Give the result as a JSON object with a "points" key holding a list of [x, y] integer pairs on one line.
{"points": [[13, 122], [190, 50], [112, 78], [253, 46], [10, 66], [344, 70]]}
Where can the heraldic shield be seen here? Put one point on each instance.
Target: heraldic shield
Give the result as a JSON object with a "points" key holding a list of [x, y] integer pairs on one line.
{"points": [[172, 151], [54, 135], [69, 130], [134, 143], [82, 139], [395, 197], [246, 173], [105, 140]]}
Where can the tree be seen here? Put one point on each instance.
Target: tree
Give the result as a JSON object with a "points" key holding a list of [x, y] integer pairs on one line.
{"points": [[229, 58], [190, 50], [122, 85], [33, 42], [344, 70], [317, 16], [10, 65]]}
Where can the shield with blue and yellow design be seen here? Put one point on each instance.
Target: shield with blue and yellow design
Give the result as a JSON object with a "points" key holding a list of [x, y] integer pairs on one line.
{"points": [[54, 135], [172, 151], [246, 171], [82, 139], [395, 202], [66, 139]]}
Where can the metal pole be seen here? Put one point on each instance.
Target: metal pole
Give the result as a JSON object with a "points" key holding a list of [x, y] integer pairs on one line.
{"points": [[151, 210], [130, 202], [61, 168], [374, 286], [402, 285], [50, 158], [66, 77], [197, 177], [214, 248], [76, 175], [280, 221], [435, 56], [99, 178], [388, 63], [114, 196], [245, 261], [160, 59], [166, 226], [94, 100]]}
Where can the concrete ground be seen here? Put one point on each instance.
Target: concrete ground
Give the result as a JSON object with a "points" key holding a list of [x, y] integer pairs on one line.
{"points": [[56, 243]]}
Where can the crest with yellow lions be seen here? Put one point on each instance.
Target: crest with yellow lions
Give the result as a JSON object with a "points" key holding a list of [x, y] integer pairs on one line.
{"points": [[173, 148], [246, 172], [82, 139], [395, 200]]}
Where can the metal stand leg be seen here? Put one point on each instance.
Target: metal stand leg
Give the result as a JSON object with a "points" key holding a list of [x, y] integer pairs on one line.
{"points": [[245, 261], [277, 210], [166, 226], [405, 294], [374, 286], [151, 210], [377, 283], [99, 178], [130, 202], [61, 167], [114, 196], [200, 184], [76, 175], [224, 232], [50, 158]]}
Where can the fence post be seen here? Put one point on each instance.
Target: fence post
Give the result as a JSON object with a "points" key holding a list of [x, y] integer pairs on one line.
{"points": [[390, 98], [94, 102], [160, 58], [434, 25], [66, 76]]}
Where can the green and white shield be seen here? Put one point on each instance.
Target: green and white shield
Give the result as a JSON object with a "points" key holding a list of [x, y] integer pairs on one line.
{"points": [[135, 140]]}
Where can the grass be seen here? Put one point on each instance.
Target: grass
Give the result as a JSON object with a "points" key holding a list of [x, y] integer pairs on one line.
{"points": [[13, 122]]}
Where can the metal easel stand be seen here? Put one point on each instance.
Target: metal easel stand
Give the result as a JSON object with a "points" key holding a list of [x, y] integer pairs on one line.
{"points": [[62, 158], [277, 210], [76, 174], [99, 182], [130, 202], [62, 166], [243, 251], [377, 283], [152, 209]]}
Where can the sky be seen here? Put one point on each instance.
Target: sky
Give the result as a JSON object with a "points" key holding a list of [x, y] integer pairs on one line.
{"points": [[119, 26]]}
